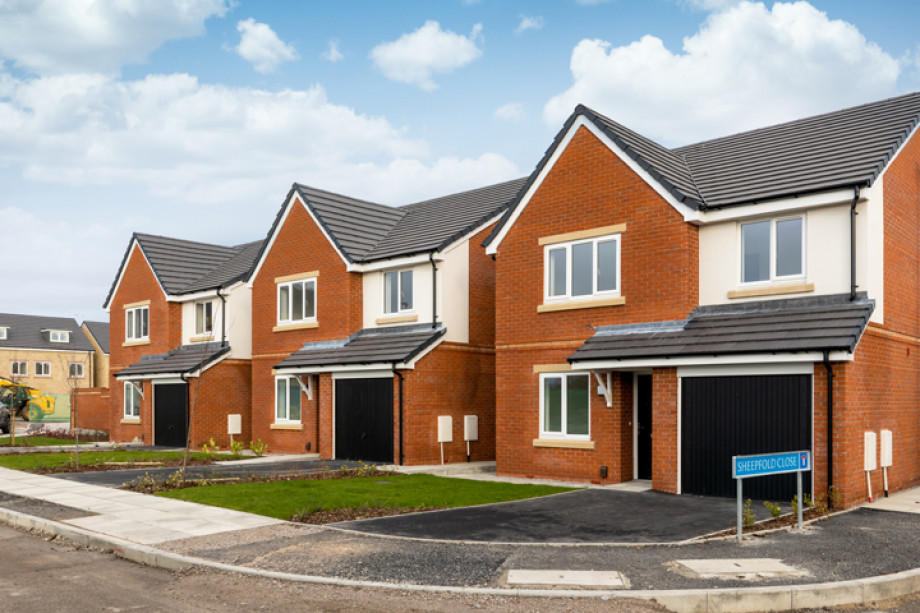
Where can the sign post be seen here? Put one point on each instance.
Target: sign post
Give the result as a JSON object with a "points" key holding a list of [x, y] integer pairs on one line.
{"points": [[747, 466]]}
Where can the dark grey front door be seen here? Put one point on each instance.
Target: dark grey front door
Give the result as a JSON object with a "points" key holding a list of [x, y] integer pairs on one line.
{"points": [[364, 419], [170, 418]]}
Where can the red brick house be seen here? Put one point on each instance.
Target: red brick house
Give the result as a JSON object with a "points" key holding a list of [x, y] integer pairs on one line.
{"points": [[661, 310], [372, 324], [180, 341]]}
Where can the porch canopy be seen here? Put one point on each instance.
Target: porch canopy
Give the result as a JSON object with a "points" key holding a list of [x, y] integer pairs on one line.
{"points": [[188, 360]]}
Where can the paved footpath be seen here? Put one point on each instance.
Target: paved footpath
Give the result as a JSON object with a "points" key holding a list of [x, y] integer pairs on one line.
{"points": [[856, 557]]}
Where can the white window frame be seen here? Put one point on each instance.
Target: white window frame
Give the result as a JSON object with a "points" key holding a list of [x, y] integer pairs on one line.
{"points": [[70, 370], [4, 333], [132, 410], [59, 336], [133, 313], [289, 284], [207, 322], [383, 280], [292, 383], [42, 369], [567, 246], [544, 434], [19, 368], [773, 278]]}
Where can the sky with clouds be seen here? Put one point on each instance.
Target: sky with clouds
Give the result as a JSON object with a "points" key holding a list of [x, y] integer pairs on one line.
{"points": [[192, 118]]}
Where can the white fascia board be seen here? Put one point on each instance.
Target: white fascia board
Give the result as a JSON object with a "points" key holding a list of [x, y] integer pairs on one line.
{"points": [[411, 364], [392, 263], [740, 370], [151, 377], [121, 273], [686, 212], [295, 197], [339, 368], [721, 360], [211, 364], [191, 297], [898, 152], [777, 207]]}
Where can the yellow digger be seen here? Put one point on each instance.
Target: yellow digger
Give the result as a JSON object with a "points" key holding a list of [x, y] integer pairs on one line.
{"points": [[22, 401]]}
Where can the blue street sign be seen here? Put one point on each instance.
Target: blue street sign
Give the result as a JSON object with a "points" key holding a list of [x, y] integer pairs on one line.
{"points": [[744, 466]]}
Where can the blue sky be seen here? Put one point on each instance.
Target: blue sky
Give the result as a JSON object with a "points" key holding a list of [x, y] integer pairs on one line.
{"points": [[191, 118]]}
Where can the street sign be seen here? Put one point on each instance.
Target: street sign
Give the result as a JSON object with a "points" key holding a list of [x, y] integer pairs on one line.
{"points": [[744, 466]]}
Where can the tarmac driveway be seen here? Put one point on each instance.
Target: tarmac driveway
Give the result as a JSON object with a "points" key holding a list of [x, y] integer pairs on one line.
{"points": [[582, 516]]}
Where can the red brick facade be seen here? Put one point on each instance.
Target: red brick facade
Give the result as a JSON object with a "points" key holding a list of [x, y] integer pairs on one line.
{"points": [[91, 409]]}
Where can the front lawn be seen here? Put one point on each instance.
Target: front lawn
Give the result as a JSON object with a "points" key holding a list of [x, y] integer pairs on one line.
{"points": [[39, 441], [47, 462], [302, 498]]}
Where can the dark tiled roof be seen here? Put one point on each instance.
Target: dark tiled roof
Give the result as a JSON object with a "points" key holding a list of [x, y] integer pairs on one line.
{"points": [[836, 150], [100, 332], [368, 346], [826, 323], [184, 267], [183, 360], [25, 332]]}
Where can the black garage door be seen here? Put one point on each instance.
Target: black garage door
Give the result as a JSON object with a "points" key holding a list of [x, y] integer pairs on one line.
{"points": [[364, 419], [170, 414], [726, 416]]}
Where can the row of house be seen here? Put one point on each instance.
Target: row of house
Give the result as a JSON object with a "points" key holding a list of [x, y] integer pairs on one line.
{"points": [[627, 311]]}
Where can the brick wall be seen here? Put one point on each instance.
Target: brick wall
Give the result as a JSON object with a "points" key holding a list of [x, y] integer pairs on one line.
{"points": [[91, 409], [222, 390], [299, 247], [588, 187]]}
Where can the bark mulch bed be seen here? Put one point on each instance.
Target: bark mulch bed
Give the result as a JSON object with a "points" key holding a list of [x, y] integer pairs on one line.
{"points": [[332, 516], [104, 466]]}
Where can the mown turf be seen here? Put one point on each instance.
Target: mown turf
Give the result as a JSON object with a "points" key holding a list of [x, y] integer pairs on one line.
{"points": [[35, 461], [283, 499], [38, 441]]}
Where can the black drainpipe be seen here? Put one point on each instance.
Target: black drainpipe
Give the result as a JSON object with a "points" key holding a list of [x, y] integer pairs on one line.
{"points": [[830, 425], [223, 317], [853, 242], [400, 375], [434, 291], [188, 409]]}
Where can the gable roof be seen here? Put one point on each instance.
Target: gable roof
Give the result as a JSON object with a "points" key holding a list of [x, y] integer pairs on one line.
{"points": [[182, 266], [821, 323], [25, 332], [99, 331], [835, 150]]}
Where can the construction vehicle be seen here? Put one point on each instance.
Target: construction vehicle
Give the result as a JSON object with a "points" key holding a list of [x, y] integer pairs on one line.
{"points": [[22, 401]]}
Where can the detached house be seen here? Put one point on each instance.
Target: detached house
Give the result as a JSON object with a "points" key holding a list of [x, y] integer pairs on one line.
{"points": [[661, 310], [180, 341], [373, 327]]}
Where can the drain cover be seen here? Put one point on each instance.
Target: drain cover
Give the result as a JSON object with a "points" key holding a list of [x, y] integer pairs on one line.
{"points": [[737, 568], [568, 578]]}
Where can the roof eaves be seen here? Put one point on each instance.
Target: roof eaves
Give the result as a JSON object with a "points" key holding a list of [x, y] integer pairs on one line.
{"points": [[325, 227], [135, 238]]}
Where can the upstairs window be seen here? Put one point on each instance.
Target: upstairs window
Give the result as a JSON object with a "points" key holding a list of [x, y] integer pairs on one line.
{"points": [[583, 269], [132, 401], [772, 250], [287, 400], [19, 368], [76, 370], [204, 318], [397, 291], [565, 401], [43, 369], [59, 336], [137, 323], [297, 301], [4, 334]]}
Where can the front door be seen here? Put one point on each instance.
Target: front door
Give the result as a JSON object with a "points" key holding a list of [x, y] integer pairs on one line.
{"points": [[170, 414], [644, 426], [364, 420]]}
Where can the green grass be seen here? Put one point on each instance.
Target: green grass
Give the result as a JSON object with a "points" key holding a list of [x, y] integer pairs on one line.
{"points": [[33, 461], [37, 441], [283, 499]]}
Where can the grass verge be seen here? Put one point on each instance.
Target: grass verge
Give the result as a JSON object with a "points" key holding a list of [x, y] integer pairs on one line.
{"points": [[50, 462], [39, 441], [304, 498]]}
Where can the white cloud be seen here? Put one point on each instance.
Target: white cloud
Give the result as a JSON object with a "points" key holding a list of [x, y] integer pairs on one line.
{"points": [[53, 37], [513, 111], [529, 23], [261, 47], [332, 54], [416, 57], [748, 66], [710, 5]]}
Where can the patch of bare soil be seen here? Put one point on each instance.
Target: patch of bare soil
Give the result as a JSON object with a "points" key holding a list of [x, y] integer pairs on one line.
{"points": [[336, 515], [776, 523], [85, 468]]}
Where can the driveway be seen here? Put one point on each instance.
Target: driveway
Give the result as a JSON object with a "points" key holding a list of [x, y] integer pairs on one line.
{"points": [[582, 516]]}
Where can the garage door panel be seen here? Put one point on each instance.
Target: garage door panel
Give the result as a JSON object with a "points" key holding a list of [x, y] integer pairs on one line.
{"points": [[726, 416]]}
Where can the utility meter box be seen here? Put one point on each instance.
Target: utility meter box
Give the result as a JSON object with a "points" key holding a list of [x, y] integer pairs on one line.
{"points": [[471, 427], [445, 429], [869, 463], [234, 424], [887, 451]]}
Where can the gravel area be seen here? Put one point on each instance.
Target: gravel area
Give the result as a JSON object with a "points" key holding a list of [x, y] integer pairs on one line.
{"points": [[827, 550], [40, 508]]}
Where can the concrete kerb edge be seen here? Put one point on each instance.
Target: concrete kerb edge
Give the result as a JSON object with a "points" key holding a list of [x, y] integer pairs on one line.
{"points": [[740, 600]]}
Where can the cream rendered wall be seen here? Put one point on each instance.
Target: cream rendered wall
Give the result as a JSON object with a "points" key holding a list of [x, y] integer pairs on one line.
{"points": [[453, 280], [827, 256], [239, 321]]}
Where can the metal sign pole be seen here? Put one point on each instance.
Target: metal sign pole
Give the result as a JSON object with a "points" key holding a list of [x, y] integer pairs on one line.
{"points": [[740, 527], [798, 484]]}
